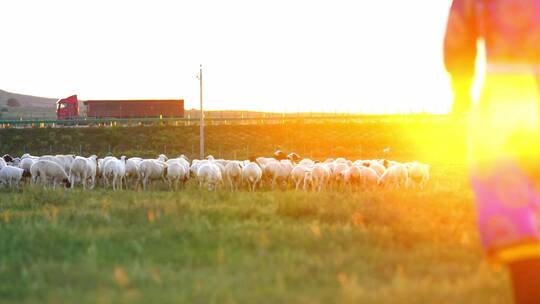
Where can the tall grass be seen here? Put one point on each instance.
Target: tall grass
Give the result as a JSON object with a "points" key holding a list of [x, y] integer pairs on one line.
{"points": [[267, 247]]}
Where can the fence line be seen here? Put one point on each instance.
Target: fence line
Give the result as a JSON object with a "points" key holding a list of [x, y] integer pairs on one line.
{"points": [[243, 120]]}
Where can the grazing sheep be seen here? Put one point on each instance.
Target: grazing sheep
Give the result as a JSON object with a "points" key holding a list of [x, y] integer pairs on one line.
{"points": [[195, 164], [317, 177], [220, 165], [278, 172], [46, 169], [83, 169], [11, 176], [369, 177], [352, 177], [78, 171], [65, 160], [2, 163], [26, 155], [252, 174], [92, 168], [210, 174], [102, 164], [298, 174], [264, 161], [132, 171], [379, 169], [306, 162], [336, 176], [395, 176], [233, 174], [53, 159], [184, 162], [151, 169], [26, 163], [281, 170], [341, 160], [116, 169], [176, 172], [221, 162], [418, 174]]}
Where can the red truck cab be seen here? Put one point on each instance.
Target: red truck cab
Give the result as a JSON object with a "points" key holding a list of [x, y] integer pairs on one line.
{"points": [[67, 108]]}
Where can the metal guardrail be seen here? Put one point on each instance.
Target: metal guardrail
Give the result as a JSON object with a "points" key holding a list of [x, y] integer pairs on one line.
{"points": [[285, 118]]}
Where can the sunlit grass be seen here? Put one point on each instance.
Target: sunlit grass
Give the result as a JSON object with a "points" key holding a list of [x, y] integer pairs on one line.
{"points": [[270, 246]]}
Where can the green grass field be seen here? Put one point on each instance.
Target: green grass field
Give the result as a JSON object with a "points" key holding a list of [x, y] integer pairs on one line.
{"points": [[279, 246], [431, 142]]}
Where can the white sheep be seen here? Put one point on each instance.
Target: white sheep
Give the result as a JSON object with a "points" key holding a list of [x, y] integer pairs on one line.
{"points": [[341, 160], [46, 169], [278, 172], [184, 161], [26, 163], [369, 177], [298, 174], [233, 174], [263, 161], [78, 171], [82, 169], [102, 163], [221, 162], [352, 177], [209, 173], [11, 176], [66, 160], [395, 176], [132, 171], [26, 155], [317, 177], [176, 172], [336, 175], [55, 160], [418, 174], [252, 175], [379, 169], [307, 162], [151, 169], [115, 168]]}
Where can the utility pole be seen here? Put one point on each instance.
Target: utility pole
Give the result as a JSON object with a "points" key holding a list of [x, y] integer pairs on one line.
{"points": [[201, 122]]}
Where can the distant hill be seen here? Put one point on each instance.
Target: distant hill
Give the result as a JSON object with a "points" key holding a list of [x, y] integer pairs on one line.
{"points": [[13, 105]]}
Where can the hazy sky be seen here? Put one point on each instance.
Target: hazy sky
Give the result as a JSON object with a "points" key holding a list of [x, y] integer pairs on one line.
{"points": [[360, 55]]}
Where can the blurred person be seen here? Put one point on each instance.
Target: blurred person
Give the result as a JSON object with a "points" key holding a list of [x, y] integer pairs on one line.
{"points": [[503, 133]]}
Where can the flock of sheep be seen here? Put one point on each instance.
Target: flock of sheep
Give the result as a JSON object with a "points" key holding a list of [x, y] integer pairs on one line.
{"points": [[281, 170]]}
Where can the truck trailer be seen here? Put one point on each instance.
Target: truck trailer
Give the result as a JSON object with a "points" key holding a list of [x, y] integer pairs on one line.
{"points": [[68, 108]]}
